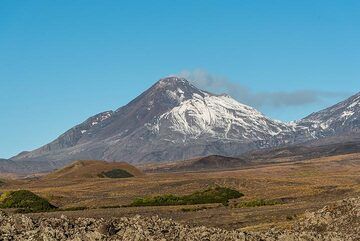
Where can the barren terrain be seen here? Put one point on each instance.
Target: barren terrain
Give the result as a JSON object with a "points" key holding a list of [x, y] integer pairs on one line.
{"points": [[339, 221], [300, 186]]}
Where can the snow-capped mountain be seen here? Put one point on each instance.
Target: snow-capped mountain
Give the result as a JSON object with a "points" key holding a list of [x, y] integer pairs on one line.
{"points": [[171, 120], [209, 116], [174, 120], [340, 119]]}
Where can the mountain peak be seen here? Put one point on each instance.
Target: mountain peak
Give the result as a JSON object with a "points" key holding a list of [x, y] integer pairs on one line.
{"points": [[172, 89], [173, 80]]}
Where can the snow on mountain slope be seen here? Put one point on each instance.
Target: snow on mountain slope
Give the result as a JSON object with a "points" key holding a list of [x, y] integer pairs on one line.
{"points": [[169, 121], [213, 116], [342, 118], [174, 120]]}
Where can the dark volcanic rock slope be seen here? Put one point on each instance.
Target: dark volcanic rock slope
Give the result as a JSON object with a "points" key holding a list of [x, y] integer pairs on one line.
{"points": [[172, 120]]}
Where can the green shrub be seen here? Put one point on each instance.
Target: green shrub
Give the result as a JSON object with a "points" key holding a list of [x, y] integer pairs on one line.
{"points": [[258, 202], [116, 173], [74, 208], [211, 195], [26, 201]]}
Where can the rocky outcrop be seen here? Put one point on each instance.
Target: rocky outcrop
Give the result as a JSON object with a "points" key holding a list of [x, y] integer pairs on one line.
{"points": [[340, 221]]}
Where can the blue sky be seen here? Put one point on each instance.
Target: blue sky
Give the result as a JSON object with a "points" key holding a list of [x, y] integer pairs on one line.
{"points": [[63, 61]]}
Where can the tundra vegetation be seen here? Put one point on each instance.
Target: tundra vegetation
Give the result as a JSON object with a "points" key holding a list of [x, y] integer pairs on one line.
{"points": [[214, 194], [25, 201]]}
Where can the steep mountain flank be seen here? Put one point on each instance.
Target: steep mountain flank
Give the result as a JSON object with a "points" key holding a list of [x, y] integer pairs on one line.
{"points": [[170, 121]]}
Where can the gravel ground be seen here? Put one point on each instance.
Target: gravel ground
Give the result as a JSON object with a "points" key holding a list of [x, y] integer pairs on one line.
{"points": [[340, 221]]}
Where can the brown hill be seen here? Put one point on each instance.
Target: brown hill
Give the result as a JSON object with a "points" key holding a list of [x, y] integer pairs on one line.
{"points": [[208, 163], [91, 169]]}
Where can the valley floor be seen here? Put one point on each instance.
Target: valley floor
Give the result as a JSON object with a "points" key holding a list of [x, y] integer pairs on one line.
{"points": [[300, 186]]}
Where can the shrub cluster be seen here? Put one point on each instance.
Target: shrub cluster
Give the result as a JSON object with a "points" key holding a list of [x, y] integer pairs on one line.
{"points": [[116, 173], [211, 195], [25, 201]]}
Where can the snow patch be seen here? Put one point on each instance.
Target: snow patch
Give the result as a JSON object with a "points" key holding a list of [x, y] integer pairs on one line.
{"points": [[347, 114], [216, 116], [177, 95], [105, 116], [324, 126], [354, 104]]}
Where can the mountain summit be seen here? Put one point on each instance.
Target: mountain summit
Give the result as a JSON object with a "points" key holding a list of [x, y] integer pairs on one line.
{"points": [[171, 120], [174, 120]]}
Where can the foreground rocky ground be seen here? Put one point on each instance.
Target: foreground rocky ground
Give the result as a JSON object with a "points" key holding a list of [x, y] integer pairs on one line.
{"points": [[340, 221]]}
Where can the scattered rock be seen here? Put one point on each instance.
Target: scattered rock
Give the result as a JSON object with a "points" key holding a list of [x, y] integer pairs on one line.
{"points": [[340, 221]]}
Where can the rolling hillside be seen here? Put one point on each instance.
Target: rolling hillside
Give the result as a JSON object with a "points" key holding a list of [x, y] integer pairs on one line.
{"points": [[91, 169]]}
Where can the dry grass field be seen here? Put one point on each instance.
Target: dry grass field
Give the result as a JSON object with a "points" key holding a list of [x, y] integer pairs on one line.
{"points": [[301, 185]]}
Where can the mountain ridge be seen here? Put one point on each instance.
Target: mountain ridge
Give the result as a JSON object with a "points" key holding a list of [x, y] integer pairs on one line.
{"points": [[341, 118], [174, 120]]}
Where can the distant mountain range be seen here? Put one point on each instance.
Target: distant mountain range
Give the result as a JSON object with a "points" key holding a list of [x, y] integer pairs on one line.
{"points": [[174, 120], [292, 153]]}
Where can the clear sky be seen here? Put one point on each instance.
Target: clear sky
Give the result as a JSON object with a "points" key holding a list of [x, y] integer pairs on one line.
{"points": [[63, 61]]}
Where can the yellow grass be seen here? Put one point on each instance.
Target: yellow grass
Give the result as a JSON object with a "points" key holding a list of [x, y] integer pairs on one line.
{"points": [[304, 185]]}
